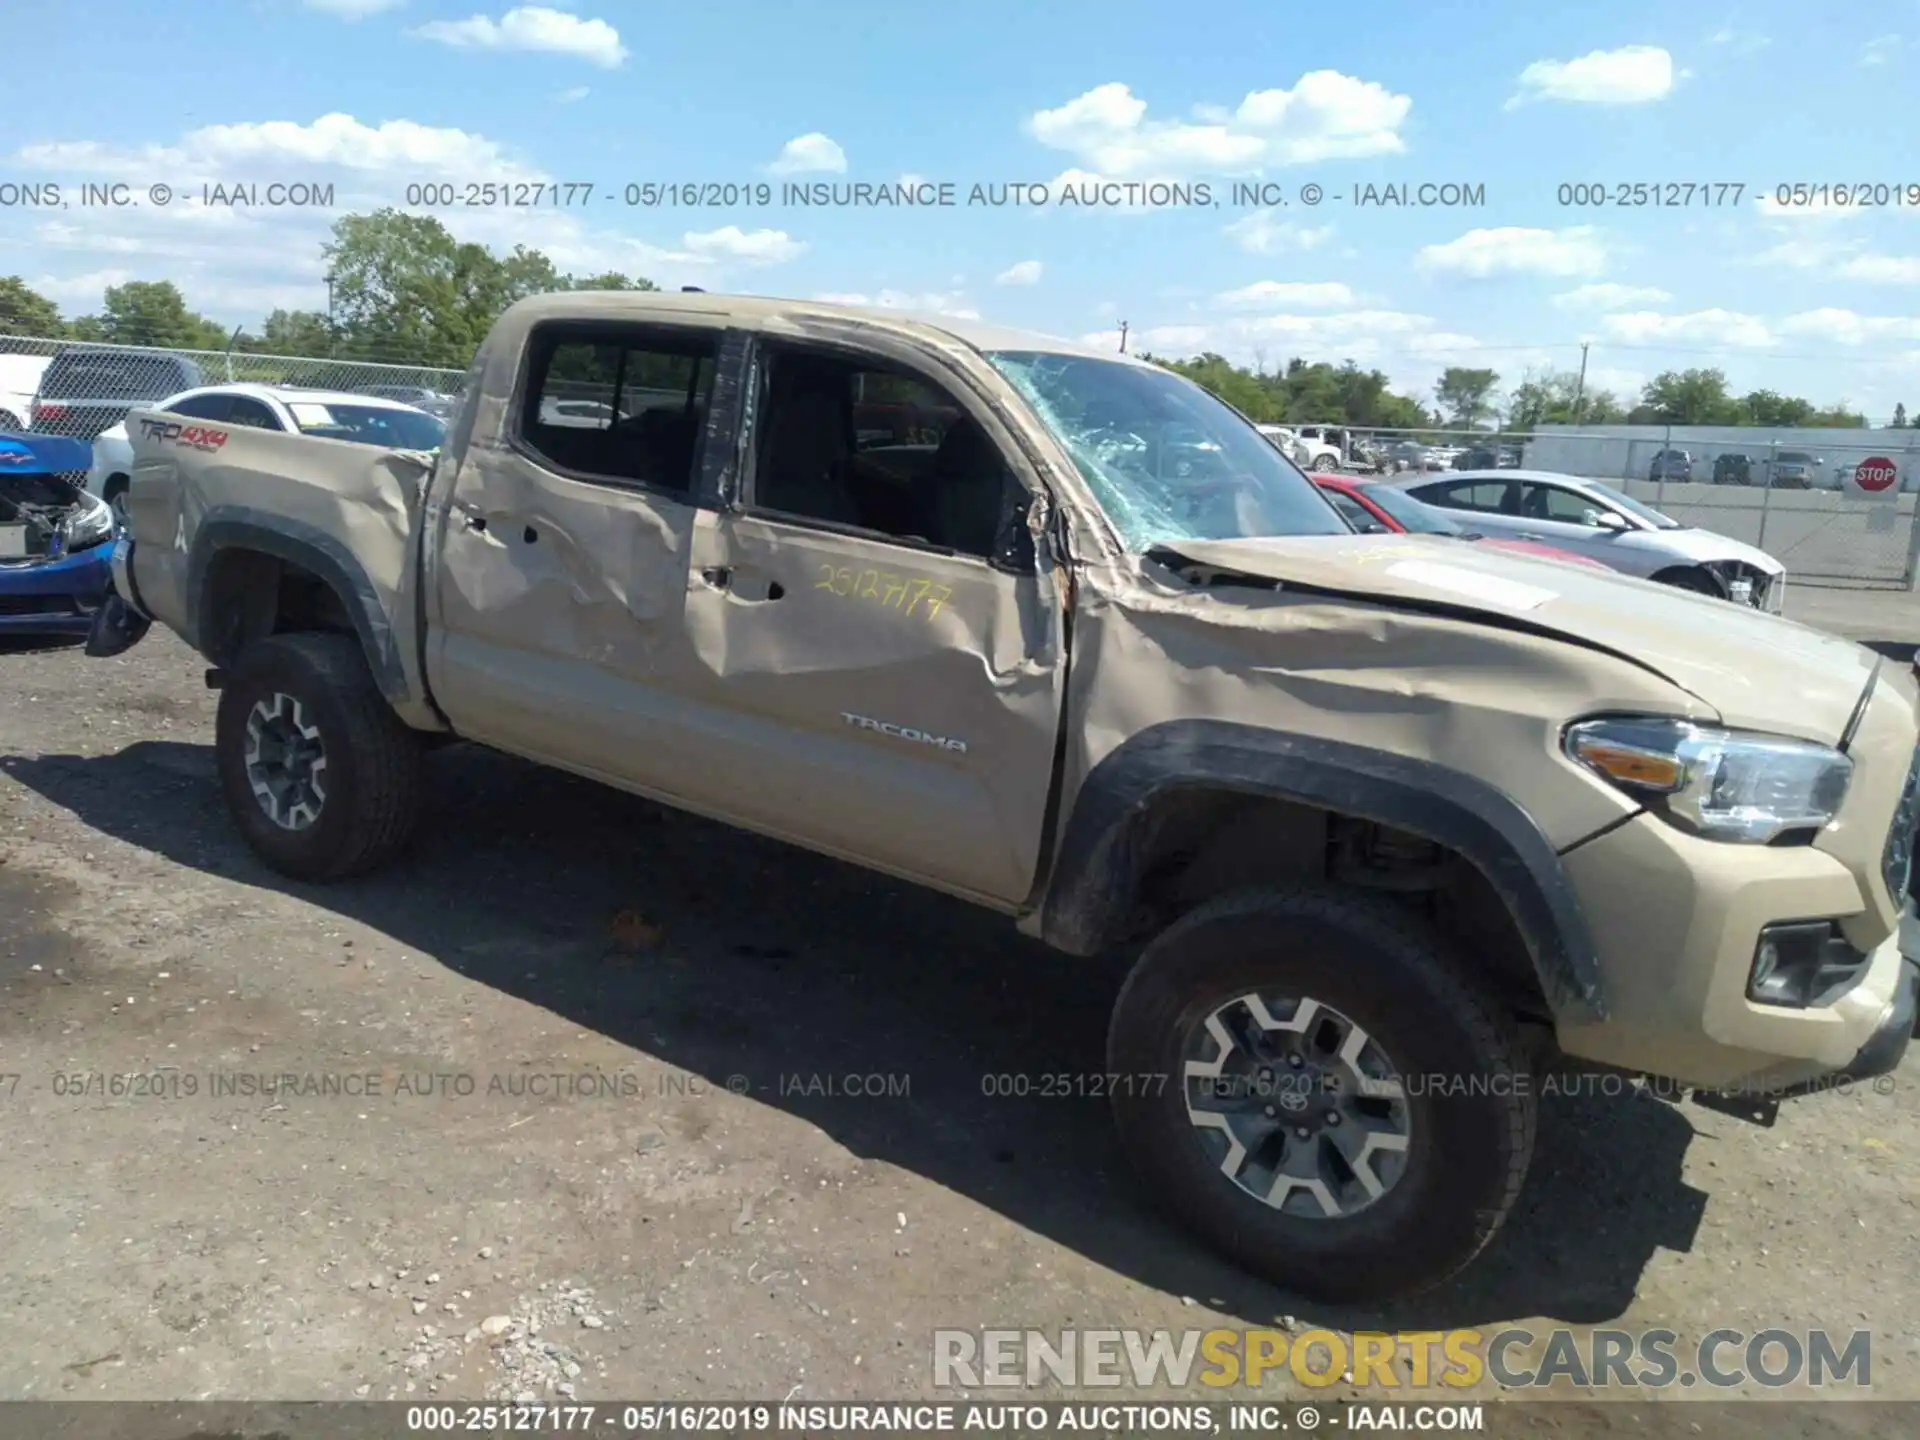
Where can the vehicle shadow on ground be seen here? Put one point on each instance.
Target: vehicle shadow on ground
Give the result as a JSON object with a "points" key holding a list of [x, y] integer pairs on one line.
{"points": [[775, 963]]}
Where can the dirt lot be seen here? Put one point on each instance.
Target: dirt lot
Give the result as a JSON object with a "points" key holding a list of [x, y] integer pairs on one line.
{"points": [[634, 1128]]}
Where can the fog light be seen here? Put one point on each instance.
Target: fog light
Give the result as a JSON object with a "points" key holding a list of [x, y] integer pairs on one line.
{"points": [[1803, 963]]}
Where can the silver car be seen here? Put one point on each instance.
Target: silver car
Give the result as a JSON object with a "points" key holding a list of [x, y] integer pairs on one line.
{"points": [[1596, 520]]}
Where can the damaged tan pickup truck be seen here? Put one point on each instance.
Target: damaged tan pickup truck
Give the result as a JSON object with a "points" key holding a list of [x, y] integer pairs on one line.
{"points": [[1390, 823]]}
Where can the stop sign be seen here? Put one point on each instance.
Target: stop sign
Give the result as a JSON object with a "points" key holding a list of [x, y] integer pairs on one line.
{"points": [[1875, 473]]}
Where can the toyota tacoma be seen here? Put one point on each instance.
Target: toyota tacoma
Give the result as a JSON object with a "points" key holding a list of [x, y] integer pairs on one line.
{"points": [[1385, 826]]}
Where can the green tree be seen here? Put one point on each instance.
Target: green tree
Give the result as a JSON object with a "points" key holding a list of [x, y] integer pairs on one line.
{"points": [[150, 312], [1545, 397], [1598, 407], [1303, 393], [1765, 407], [1466, 396], [25, 311], [1899, 417], [405, 289], [1836, 417], [1688, 397], [295, 332], [611, 280], [1241, 389]]}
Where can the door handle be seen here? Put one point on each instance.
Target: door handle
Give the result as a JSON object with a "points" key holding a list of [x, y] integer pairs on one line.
{"points": [[752, 592]]}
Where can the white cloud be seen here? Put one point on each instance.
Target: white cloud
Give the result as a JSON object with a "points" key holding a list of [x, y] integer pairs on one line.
{"points": [[82, 292], [239, 151], [1609, 296], [1631, 75], [1281, 294], [1838, 260], [1517, 250], [1326, 116], [1727, 328], [1845, 327], [749, 247], [1818, 207], [1025, 272], [1738, 42], [1615, 381], [1880, 50], [532, 28], [1263, 233], [237, 263], [352, 9], [574, 94], [947, 303], [1883, 269], [810, 152], [1802, 254], [1442, 345]]}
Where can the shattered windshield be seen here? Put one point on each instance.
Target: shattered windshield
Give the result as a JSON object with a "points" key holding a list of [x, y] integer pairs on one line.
{"points": [[1165, 459]]}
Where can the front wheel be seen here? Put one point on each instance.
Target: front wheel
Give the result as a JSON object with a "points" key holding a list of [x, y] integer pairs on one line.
{"points": [[323, 779], [1319, 1094]]}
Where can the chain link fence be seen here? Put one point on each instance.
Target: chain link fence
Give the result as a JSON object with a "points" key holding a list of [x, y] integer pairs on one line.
{"points": [[1839, 510], [78, 389]]}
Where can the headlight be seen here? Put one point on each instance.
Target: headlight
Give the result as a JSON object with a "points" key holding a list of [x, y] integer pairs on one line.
{"points": [[1722, 784], [88, 525]]}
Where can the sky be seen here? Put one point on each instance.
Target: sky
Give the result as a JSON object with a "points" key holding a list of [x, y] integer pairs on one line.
{"points": [[1530, 125]]}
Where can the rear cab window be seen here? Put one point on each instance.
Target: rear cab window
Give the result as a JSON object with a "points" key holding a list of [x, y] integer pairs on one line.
{"points": [[621, 403]]}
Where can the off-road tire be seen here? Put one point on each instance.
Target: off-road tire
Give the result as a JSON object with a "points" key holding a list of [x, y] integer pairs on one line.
{"points": [[373, 773], [1375, 961]]}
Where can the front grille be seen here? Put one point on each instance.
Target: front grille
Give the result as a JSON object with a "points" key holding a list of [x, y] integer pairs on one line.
{"points": [[1896, 866]]}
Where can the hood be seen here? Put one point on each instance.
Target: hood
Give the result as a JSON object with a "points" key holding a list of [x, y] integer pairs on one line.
{"points": [[1707, 547], [1760, 672], [1544, 552]]}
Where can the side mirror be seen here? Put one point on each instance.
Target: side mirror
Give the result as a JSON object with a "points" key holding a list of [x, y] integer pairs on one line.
{"points": [[1607, 520]]}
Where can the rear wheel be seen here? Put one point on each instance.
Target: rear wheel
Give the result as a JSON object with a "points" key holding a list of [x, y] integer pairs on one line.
{"points": [[321, 776], [1307, 1082]]}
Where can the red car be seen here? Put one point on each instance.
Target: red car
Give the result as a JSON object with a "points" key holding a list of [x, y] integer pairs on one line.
{"points": [[1383, 509]]}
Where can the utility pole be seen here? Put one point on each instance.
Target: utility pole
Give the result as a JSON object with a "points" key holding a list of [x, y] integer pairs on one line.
{"points": [[333, 329], [1580, 385], [1123, 337]]}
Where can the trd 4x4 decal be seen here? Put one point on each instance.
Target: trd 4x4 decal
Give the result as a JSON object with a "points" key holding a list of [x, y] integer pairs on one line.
{"points": [[199, 437]]}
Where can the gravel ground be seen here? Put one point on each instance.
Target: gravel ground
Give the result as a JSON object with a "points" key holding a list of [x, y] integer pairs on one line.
{"points": [[613, 1151]]}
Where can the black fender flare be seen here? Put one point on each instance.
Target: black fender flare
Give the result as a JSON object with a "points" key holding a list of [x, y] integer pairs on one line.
{"points": [[1098, 864], [241, 527]]}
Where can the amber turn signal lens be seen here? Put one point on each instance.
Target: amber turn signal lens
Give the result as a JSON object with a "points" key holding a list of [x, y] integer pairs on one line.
{"points": [[1627, 765]]}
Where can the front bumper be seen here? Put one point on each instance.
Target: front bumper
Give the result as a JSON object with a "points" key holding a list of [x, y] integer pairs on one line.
{"points": [[1677, 922], [121, 622], [54, 597]]}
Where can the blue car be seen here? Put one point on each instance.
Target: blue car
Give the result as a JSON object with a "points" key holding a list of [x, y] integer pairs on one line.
{"points": [[54, 550]]}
